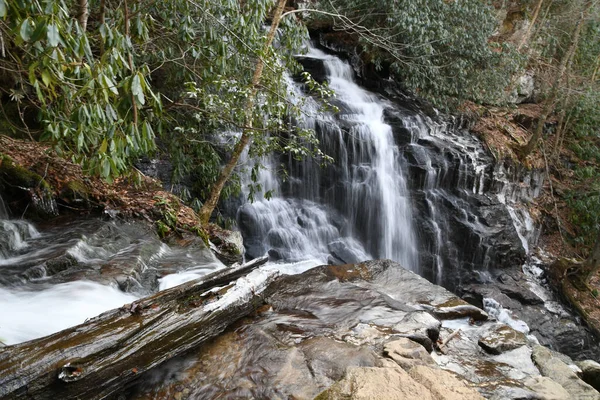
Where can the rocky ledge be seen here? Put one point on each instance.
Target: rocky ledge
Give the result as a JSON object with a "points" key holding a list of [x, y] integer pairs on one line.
{"points": [[367, 331]]}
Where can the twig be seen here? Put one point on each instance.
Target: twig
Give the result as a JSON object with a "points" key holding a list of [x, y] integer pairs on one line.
{"points": [[552, 194], [442, 346]]}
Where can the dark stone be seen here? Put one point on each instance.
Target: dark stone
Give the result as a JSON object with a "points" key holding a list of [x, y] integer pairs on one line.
{"points": [[314, 67]]}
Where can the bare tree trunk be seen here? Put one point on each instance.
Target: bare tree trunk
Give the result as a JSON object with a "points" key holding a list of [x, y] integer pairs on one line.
{"points": [[559, 133], [215, 192], [527, 35], [101, 356], [593, 261], [130, 61], [84, 12], [562, 69], [102, 22]]}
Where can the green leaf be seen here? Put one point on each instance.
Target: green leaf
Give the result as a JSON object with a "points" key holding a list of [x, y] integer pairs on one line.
{"points": [[136, 89], [3, 9], [53, 35], [26, 30], [103, 146], [39, 32], [105, 168], [46, 77]]}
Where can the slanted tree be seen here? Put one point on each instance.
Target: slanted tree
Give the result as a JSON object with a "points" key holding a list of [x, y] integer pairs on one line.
{"points": [[215, 193], [555, 91]]}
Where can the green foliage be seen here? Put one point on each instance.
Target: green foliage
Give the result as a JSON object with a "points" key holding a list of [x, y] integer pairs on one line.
{"points": [[437, 48], [100, 93], [82, 83], [166, 220], [585, 199]]}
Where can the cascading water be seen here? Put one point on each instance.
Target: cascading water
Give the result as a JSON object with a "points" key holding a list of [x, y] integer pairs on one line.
{"points": [[403, 186], [326, 212]]}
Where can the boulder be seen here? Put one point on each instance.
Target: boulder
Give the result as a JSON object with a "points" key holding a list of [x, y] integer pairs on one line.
{"points": [[443, 384], [420, 327], [376, 384], [502, 338], [228, 246], [590, 372], [554, 368], [407, 353], [458, 308], [546, 389]]}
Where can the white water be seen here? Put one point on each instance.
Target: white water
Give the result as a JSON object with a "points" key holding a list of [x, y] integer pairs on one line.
{"points": [[26, 314], [366, 212]]}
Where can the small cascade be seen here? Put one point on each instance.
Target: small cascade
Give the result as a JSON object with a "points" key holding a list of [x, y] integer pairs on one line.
{"points": [[14, 235]]}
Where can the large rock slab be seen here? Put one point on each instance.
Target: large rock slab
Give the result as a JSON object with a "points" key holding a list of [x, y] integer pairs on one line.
{"points": [[555, 369], [443, 384], [376, 384], [319, 326], [546, 389]]}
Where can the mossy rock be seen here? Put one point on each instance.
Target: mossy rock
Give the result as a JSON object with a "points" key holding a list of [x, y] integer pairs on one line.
{"points": [[25, 191], [76, 192]]}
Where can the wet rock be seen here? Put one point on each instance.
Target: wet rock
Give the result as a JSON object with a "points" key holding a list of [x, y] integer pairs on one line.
{"points": [[420, 327], [341, 251], [590, 373], [544, 388], [327, 358], [228, 246], [502, 338], [458, 308], [314, 66], [376, 384], [25, 191], [443, 384], [407, 353], [555, 369]]}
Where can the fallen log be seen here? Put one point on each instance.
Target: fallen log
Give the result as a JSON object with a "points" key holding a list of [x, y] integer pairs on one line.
{"points": [[99, 357]]}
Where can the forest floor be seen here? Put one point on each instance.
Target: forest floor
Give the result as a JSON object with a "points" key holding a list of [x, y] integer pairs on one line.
{"points": [[134, 196], [503, 129]]}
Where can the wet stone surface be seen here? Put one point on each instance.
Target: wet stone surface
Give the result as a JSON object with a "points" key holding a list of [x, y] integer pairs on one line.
{"points": [[343, 332]]}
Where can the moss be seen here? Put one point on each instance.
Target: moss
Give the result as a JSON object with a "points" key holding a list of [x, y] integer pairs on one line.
{"points": [[15, 175], [76, 190]]}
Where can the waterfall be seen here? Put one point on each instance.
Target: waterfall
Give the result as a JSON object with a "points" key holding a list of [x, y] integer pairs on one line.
{"points": [[413, 187], [356, 209]]}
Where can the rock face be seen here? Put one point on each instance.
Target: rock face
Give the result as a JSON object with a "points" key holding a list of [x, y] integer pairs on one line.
{"points": [[556, 369], [348, 332], [590, 372], [375, 384], [407, 353]]}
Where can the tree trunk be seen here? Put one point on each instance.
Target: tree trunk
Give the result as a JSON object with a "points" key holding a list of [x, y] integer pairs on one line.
{"points": [[102, 22], [592, 264], [83, 14], [215, 192], [562, 69], [101, 356], [130, 62], [527, 35]]}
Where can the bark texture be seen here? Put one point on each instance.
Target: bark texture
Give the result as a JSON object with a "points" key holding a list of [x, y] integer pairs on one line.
{"points": [[215, 192], [101, 356]]}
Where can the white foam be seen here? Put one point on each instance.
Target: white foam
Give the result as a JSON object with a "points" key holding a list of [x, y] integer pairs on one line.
{"points": [[27, 315], [495, 310], [172, 280]]}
